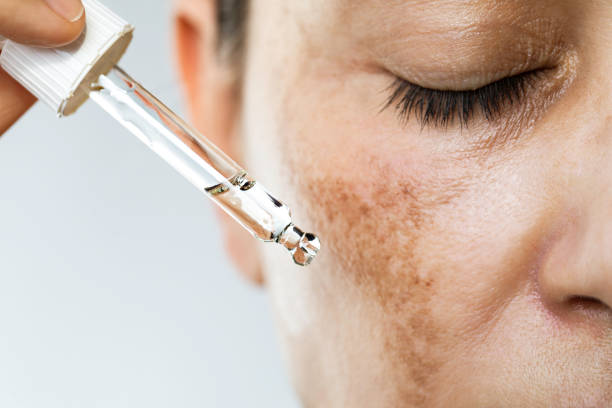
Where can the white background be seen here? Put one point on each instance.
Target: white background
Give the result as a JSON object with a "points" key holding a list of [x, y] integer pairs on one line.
{"points": [[114, 287]]}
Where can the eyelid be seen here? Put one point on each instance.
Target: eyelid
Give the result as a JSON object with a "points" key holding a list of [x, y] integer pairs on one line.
{"points": [[440, 108]]}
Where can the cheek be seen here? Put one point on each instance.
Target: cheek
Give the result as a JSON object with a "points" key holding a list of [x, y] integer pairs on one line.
{"points": [[404, 223], [433, 250], [369, 188], [373, 193]]}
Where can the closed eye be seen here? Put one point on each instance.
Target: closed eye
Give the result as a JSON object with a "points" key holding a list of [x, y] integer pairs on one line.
{"points": [[441, 108]]}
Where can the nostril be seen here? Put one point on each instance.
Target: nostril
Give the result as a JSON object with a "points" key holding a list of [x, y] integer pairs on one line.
{"points": [[585, 303]]}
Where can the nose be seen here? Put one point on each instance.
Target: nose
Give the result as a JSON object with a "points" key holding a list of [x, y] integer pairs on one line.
{"points": [[577, 266], [576, 262]]}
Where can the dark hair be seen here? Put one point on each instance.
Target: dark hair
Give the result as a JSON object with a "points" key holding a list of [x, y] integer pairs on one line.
{"points": [[231, 18]]}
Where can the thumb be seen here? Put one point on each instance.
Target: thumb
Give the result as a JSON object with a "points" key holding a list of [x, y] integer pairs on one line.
{"points": [[47, 23]]}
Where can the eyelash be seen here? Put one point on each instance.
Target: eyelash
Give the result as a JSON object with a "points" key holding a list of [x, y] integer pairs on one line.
{"points": [[441, 108]]}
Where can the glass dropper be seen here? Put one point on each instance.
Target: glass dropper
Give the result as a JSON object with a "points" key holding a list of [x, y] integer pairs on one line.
{"points": [[202, 163]]}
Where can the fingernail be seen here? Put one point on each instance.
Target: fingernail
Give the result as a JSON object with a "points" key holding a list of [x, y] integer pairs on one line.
{"points": [[71, 10]]}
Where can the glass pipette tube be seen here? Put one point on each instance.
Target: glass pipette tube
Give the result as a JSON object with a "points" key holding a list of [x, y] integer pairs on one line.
{"points": [[202, 163]]}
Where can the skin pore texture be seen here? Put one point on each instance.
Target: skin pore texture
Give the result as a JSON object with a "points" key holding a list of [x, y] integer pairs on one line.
{"points": [[464, 266]]}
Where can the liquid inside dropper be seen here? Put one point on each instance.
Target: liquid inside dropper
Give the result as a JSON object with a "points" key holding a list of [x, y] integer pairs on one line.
{"points": [[202, 163]]}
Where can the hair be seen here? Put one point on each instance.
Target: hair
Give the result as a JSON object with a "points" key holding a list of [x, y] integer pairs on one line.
{"points": [[231, 20]]}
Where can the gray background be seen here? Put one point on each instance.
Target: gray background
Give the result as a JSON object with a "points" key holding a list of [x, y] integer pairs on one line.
{"points": [[114, 288]]}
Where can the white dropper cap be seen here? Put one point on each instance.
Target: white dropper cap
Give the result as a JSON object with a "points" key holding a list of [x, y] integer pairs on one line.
{"points": [[63, 79], [60, 77]]}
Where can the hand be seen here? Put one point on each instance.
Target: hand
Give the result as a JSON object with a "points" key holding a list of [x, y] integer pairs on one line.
{"points": [[45, 23]]}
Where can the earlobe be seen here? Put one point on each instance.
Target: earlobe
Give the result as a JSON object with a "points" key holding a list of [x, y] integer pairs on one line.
{"points": [[213, 105]]}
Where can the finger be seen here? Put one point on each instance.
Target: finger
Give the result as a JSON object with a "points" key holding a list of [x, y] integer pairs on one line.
{"points": [[14, 101], [47, 23]]}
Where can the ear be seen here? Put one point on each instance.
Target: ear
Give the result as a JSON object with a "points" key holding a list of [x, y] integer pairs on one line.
{"points": [[213, 95]]}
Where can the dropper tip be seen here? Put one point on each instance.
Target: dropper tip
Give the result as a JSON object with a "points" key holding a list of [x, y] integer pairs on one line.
{"points": [[307, 249], [304, 247]]}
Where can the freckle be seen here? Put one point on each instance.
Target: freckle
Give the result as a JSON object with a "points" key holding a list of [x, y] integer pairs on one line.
{"points": [[383, 224], [365, 210]]}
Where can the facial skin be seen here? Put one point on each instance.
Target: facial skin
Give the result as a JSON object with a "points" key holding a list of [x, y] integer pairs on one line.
{"points": [[466, 266]]}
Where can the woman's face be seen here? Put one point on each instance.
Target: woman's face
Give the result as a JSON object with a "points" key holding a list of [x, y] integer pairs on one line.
{"points": [[464, 262]]}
